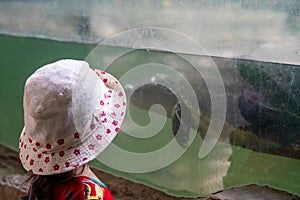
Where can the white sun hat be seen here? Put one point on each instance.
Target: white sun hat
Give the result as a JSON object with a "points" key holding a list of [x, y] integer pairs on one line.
{"points": [[71, 114]]}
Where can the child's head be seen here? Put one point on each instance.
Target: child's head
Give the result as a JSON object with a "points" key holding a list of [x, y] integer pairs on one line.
{"points": [[71, 114]]}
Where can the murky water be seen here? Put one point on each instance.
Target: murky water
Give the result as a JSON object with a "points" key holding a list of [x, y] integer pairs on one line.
{"points": [[259, 141]]}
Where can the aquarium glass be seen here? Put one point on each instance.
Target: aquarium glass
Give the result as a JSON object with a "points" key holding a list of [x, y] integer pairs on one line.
{"points": [[212, 86]]}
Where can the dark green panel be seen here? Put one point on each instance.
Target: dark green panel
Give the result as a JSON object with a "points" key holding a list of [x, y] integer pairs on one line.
{"points": [[19, 58]]}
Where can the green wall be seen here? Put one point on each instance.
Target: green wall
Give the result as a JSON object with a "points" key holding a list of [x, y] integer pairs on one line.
{"points": [[20, 57]]}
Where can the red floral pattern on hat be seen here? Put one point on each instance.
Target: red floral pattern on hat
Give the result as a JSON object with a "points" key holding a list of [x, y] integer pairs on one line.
{"points": [[61, 141], [76, 135], [56, 167], [76, 152], [47, 160], [31, 162], [75, 166], [98, 137], [61, 153], [91, 146], [92, 126], [102, 114], [115, 123]]}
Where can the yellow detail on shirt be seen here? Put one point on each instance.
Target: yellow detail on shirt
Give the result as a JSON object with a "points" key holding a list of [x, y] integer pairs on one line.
{"points": [[93, 191]]}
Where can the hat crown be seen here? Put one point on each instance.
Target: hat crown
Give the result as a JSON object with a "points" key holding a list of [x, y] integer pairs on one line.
{"points": [[53, 104]]}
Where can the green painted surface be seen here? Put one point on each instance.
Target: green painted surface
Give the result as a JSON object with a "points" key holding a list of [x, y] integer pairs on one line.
{"points": [[226, 166], [19, 58]]}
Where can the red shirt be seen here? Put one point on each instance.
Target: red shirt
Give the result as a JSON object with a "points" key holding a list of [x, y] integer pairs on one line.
{"points": [[80, 188]]}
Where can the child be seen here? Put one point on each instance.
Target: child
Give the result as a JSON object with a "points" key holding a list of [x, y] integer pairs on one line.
{"points": [[71, 114]]}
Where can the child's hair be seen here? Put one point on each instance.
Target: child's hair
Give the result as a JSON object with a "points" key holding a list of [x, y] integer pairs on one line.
{"points": [[42, 186]]}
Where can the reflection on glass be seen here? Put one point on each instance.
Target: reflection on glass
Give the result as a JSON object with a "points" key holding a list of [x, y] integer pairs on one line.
{"points": [[263, 104], [270, 103], [262, 30], [261, 130]]}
